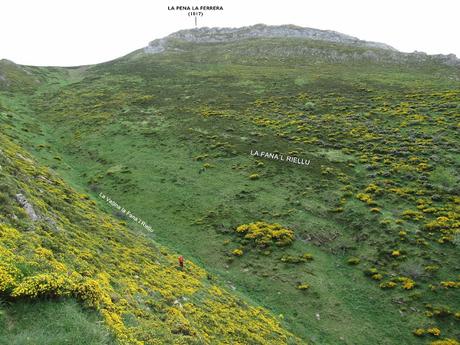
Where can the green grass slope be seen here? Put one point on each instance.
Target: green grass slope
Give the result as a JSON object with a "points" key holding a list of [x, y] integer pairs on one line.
{"points": [[55, 243], [42, 322], [367, 247]]}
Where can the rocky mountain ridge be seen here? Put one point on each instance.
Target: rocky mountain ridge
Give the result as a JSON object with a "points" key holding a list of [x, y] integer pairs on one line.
{"points": [[368, 50], [216, 34]]}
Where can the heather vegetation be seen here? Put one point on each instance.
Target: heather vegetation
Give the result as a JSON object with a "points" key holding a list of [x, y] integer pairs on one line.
{"points": [[359, 247]]}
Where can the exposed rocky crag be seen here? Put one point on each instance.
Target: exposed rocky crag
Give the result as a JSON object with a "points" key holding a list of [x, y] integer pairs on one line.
{"points": [[28, 208], [213, 35]]}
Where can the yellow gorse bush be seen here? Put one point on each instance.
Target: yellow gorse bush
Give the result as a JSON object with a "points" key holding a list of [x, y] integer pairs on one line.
{"points": [[450, 284], [7, 277], [264, 234], [446, 341], [45, 284], [237, 252], [407, 283]]}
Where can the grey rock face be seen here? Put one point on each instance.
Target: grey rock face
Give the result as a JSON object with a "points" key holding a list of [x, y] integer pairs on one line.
{"points": [[27, 207], [156, 46], [3, 80], [449, 59], [213, 35]]}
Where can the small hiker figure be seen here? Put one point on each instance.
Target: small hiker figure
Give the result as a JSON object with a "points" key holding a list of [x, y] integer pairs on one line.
{"points": [[181, 262]]}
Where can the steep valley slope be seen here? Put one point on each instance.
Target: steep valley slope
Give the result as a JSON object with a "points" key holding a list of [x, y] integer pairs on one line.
{"points": [[359, 246]]}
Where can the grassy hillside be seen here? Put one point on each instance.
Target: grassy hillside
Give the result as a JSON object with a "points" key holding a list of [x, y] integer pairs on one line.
{"points": [[51, 322], [59, 245], [366, 250]]}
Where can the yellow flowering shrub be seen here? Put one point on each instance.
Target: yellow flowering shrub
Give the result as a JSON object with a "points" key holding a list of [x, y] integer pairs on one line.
{"points": [[7, 277], [45, 284], [407, 283], [237, 252], [412, 214], [431, 268], [373, 189], [44, 253], [388, 285], [446, 341], [296, 259], [434, 331], [440, 222], [178, 322], [254, 176], [371, 271], [353, 261], [90, 291], [367, 198], [450, 284], [419, 332], [264, 234]]}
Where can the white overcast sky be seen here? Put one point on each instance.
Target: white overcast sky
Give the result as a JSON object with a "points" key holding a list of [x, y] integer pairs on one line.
{"points": [[77, 32]]}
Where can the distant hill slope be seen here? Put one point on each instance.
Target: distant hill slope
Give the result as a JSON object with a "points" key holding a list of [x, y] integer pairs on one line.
{"points": [[12, 75]]}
